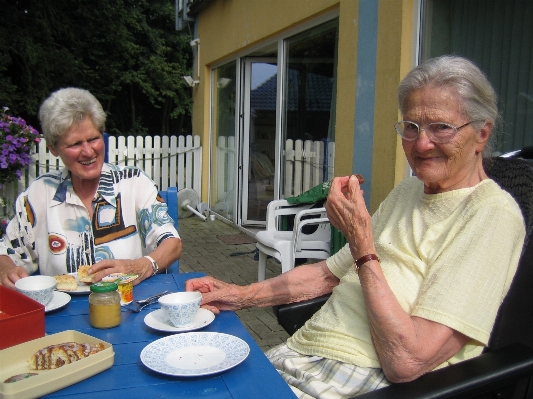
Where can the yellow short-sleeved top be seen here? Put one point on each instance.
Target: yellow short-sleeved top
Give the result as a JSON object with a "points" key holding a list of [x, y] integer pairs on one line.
{"points": [[447, 257]]}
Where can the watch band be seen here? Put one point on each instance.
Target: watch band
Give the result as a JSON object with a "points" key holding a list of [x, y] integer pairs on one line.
{"points": [[155, 266], [363, 259]]}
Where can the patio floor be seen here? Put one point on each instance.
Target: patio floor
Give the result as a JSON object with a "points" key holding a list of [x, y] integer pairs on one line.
{"points": [[204, 252]]}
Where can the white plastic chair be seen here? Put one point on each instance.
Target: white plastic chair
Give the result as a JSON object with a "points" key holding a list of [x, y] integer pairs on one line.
{"points": [[286, 246]]}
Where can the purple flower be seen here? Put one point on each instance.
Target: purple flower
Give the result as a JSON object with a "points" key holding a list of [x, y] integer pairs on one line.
{"points": [[16, 140]]}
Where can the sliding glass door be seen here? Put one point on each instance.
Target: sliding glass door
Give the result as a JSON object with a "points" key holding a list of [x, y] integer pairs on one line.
{"points": [[273, 123]]}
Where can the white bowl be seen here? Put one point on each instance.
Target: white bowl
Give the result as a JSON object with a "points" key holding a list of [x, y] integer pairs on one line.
{"points": [[38, 288], [181, 307]]}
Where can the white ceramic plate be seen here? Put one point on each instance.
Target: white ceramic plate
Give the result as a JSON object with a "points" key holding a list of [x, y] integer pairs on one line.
{"points": [[59, 300], [159, 321], [83, 289], [194, 354]]}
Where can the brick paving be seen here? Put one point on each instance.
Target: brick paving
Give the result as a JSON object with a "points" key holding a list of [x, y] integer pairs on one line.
{"points": [[204, 252]]}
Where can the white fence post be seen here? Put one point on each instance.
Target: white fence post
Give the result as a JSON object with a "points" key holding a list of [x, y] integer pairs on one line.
{"points": [[181, 163]]}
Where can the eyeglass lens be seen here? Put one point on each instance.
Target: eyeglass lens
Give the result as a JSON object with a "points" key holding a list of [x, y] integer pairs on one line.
{"points": [[438, 131]]}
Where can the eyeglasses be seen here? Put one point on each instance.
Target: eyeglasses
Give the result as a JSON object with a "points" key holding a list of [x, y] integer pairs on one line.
{"points": [[438, 132]]}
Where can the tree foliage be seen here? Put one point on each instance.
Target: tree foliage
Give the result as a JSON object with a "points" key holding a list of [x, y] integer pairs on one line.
{"points": [[126, 52]]}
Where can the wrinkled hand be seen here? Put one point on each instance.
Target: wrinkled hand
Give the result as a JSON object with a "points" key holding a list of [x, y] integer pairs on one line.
{"points": [[216, 295], [142, 267], [347, 211], [10, 275]]}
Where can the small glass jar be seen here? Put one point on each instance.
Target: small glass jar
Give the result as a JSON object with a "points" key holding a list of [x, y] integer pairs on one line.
{"points": [[104, 305]]}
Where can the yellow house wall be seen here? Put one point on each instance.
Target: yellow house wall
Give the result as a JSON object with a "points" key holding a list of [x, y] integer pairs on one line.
{"points": [[228, 28]]}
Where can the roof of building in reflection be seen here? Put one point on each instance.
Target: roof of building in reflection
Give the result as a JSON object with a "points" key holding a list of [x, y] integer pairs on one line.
{"points": [[316, 90]]}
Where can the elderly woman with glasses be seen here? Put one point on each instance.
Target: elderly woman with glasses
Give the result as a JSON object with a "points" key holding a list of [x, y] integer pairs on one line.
{"points": [[418, 284], [90, 212]]}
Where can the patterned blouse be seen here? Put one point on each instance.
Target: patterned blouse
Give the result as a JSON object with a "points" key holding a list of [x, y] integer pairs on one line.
{"points": [[52, 230]]}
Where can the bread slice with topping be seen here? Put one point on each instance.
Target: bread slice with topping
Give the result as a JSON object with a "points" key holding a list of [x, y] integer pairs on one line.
{"points": [[84, 276]]}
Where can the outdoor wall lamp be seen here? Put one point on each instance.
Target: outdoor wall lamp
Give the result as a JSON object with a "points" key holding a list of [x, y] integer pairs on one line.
{"points": [[189, 81]]}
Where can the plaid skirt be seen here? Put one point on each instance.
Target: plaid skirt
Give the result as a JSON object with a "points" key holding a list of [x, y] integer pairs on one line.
{"points": [[318, 377]]}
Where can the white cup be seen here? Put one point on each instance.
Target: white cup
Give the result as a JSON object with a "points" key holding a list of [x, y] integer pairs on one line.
{"points": [[181, 307], [38, 288]]}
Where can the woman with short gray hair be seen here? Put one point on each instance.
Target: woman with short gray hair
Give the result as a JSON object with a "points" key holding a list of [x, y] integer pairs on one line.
{"points": [[90, 212]]}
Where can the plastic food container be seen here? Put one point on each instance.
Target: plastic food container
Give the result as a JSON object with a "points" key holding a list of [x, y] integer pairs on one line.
{"points": [[15, 361]]}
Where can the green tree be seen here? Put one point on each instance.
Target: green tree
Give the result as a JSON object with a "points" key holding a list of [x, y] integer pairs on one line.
{"points": [[126, 52]]}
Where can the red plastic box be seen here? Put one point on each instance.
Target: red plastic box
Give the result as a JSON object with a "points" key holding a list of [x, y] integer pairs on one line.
{"points": [[21, 318]]}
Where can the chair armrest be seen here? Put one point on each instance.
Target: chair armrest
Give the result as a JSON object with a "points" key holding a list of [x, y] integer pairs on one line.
{"points": [[278, 208], [292, 316], [309, 212], [297, 231], [503, 373]]}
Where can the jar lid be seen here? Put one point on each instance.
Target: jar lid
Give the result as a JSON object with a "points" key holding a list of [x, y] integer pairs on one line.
{"points": [[104, 287]]}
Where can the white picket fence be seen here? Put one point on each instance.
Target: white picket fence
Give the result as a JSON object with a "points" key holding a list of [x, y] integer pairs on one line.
{"points": [[307, 164], [169, 161], [177, 161]]}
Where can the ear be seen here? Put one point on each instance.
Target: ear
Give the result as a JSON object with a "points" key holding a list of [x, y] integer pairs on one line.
{"points": [[52, 150], [483, 135]]}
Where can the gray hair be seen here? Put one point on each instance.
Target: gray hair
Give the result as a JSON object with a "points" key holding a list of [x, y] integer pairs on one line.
{"points": [[66, 107], [479, 100]]}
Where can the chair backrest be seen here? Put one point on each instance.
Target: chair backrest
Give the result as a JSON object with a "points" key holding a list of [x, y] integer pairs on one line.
{"points": [[171, 198], [514, 322]]}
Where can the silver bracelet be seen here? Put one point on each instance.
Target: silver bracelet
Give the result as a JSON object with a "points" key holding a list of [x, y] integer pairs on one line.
{"points": [[155, 266]]}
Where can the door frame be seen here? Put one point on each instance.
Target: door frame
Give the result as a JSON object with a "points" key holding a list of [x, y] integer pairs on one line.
{"points": [[244, 141]]}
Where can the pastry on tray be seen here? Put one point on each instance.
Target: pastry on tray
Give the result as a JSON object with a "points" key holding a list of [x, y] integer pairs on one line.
{"points": [[55, 356]]}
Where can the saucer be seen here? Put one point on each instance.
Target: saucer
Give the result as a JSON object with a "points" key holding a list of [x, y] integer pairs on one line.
{"points": [[159, 321], [59, 300]]}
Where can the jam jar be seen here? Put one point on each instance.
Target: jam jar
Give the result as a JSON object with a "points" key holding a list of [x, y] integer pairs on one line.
{"points": [[104, 305]]}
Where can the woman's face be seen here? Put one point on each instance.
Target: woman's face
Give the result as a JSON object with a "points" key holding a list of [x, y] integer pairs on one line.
{"points": [[443, 166], [82, 151]]}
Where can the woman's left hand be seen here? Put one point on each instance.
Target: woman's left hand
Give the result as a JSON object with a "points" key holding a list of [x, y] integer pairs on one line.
{"points": [[347, 211], [141, 267]]}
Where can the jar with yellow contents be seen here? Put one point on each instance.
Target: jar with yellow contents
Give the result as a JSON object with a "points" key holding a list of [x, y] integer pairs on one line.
{"points": [[104, 305]]}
